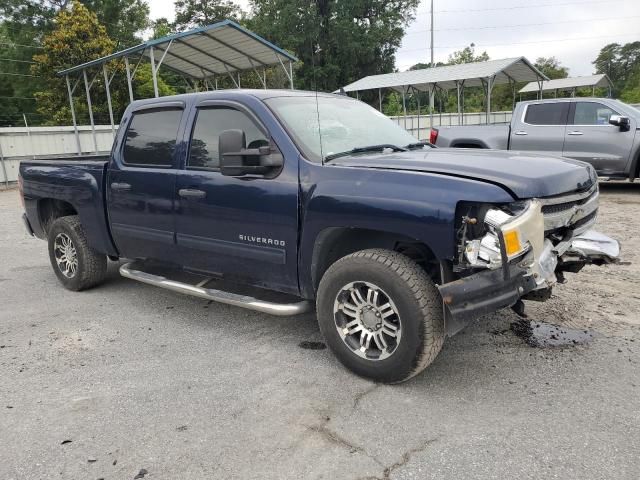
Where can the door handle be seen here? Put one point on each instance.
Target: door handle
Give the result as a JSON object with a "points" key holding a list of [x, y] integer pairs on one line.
{"points": [[521, 132], [191, 193], [121, 187], [575, 133]]}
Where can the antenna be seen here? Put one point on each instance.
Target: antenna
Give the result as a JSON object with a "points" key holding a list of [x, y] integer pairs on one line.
{"points": [[315, 50]]}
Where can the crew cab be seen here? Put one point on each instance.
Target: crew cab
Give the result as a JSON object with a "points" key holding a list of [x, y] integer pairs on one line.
{"points": [[600, 131], [282, 201]]}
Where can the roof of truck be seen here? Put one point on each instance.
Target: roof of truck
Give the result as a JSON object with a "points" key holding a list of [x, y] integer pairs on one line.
{"points": [[258, 93]]}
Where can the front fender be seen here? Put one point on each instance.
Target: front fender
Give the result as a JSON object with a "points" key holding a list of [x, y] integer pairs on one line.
{"points": [[417, 205]]}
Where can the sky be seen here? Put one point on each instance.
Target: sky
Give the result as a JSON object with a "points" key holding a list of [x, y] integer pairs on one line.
{"points": [[573, 31]]}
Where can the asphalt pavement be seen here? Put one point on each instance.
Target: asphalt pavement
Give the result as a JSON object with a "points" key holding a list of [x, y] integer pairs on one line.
{"points": [[130, 381]]}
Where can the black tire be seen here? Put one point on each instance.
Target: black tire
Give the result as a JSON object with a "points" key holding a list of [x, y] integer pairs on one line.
{"points": [[91, 266], [415, 297]]}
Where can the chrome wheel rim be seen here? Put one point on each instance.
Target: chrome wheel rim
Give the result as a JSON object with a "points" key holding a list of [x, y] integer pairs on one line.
{"points": [[367, 320], [66, 255]]}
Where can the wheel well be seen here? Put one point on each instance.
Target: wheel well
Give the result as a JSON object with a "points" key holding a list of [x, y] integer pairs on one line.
{"points": [[50, 209], [335, 243], [636, 172], [467, 145]]}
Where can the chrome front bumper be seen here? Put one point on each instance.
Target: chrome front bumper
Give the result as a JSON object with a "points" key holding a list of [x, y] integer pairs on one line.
{"points": [[594, 246]]}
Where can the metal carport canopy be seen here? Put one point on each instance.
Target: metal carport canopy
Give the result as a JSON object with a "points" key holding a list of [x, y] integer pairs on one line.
{"points": [[218, 49], [224, 48], [502, 71], [601, 80]]}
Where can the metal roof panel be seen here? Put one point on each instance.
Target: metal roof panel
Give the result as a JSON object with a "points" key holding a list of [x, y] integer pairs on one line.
{"points": [[600, 80], [227, 41], [519, 69]]}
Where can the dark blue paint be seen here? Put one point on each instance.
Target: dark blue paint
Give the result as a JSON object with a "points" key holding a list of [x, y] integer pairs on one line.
{"points": [[296, 207]]}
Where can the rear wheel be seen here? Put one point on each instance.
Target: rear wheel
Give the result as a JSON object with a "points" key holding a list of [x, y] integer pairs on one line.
{"points": [[76, 265], [381, 315]]}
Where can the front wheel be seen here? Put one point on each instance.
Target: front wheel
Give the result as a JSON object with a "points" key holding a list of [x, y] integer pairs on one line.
{"points": [[76, 265], [381, 315]]}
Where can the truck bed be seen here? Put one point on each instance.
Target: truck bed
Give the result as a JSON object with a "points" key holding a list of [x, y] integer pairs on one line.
{"points": [[475, 136], [77, 181]]}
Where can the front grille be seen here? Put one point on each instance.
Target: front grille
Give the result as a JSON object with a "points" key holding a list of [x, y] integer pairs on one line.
{"points": [[575, 211]]}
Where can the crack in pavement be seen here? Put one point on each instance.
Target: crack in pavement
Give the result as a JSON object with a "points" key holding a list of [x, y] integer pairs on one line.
{"points": [[359, 396], [406, 456], [335, 439]]}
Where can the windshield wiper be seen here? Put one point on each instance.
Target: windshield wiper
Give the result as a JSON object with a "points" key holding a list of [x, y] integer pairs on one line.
{"points": [[412, 146], [368, 148]]}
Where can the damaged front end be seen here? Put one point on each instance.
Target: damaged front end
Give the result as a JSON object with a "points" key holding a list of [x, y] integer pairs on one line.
{"points": [[520, 251]]}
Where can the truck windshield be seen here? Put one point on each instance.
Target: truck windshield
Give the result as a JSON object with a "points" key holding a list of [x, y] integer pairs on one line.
{"points": [[345, 124]]}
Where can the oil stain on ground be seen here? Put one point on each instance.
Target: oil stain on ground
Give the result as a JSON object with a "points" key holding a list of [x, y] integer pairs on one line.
{"points": [[541, 334]]}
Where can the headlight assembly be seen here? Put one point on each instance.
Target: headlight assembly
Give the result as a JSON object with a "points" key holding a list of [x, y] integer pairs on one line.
{"points": [[516, 232]]}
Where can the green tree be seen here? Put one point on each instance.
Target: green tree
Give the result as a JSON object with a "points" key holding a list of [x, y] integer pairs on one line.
{"points": [[77, 38], [124, 20], [337, 42], [621, 63], [631, 92], [393, 105], [551, 67], [467, 55], [143, 84], [198, 13], [161, 28], [22, 24]]}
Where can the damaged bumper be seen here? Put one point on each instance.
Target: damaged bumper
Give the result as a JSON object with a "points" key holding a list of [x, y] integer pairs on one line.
{"points": [[491, 290]]}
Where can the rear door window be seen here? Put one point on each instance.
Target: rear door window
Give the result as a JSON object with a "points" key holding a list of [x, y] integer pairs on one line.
{"points": [[151, 138], [547, 113]]}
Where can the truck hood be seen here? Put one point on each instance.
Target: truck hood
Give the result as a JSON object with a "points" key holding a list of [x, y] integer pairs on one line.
{"points": [[523, 175]]}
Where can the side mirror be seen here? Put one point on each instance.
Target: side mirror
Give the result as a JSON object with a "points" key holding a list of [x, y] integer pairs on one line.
{"points": [[236, 160], [619, 121]]}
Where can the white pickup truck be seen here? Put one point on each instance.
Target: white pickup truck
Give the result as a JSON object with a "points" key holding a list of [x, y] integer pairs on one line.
{"points": [[600, 131]]}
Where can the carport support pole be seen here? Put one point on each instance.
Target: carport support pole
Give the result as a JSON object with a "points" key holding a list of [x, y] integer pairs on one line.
{"points": [[404, 108], [458, 102], [73, 114], [4, 169], [109, 106], [93, 125], [418, 98], [462, 100], [488, 100], [291, 74], [380, 98], [128, 69], [432, 104], [153, 72]]}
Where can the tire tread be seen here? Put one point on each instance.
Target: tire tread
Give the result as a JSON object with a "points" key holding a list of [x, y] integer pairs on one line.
{"points": [[424, 292], [94, 264]]}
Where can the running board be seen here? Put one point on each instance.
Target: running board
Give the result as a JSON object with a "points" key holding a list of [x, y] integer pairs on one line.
{"points": [[237, 300]]}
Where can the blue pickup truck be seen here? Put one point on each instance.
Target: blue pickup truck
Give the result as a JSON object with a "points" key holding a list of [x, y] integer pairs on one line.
{"points": [[281, 200]]}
